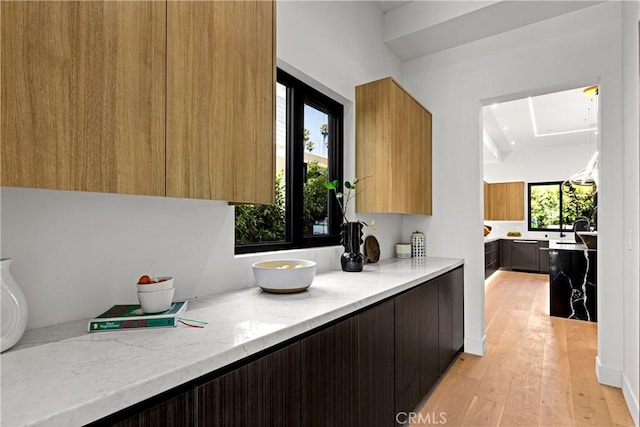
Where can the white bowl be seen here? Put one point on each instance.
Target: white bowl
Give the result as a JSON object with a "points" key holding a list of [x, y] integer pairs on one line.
{"points": [[157, 301], [274, 276], [160, 286]]}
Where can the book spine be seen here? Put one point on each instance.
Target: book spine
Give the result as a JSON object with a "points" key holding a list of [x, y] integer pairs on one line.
{"points": [[111, 325]]}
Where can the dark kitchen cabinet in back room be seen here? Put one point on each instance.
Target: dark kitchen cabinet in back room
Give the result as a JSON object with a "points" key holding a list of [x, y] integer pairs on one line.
{"points": [[505, 253], [491, 257], [525, 255], [543, 247]]}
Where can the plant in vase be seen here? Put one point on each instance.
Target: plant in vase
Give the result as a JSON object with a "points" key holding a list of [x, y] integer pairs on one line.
{"points": [[351, 234]]}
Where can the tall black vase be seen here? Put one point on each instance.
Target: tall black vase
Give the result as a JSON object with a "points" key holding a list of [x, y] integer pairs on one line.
{"points": [[351, 239]]}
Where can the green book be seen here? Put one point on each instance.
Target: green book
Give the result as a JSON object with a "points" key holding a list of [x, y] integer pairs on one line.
{"points": [[130, 316]]}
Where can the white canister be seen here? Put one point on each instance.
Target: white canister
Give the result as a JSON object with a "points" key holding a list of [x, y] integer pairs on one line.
{"points": [[418, 245], [403, 250]]}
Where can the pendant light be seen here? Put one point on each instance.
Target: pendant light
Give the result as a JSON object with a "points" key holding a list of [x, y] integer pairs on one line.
{"points": [[589, 176]]}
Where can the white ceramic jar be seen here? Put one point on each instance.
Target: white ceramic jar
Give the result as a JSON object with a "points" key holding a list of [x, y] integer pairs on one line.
{"points": [[15, 311]]}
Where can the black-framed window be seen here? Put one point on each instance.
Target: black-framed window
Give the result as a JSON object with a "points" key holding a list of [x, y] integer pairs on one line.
{"points": [[309, 150], [554, 206]]}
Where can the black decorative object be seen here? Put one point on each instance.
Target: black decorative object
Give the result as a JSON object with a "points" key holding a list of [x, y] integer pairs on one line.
{"points": [[351, 239]]}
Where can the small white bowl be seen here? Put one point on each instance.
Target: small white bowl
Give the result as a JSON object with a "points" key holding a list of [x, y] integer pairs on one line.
{"points": [[160, 286], [284, 276], [157, 301]]}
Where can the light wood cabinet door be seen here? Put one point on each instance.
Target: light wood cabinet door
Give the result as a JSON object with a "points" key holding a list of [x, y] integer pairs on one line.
{"points": [[83, 95], [393, 150], [504, 201], [220, 100]]}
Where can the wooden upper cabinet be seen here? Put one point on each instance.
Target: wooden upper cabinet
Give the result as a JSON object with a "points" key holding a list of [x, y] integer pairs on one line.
{"points": [[393, 150], [221, 100], [83, 96], [504, 201]]}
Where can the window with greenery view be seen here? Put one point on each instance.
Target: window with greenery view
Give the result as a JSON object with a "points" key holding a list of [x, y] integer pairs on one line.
{"points": [[308, 152], [555, 207]]}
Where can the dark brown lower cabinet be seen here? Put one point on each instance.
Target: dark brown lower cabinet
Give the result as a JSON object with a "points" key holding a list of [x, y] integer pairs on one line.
{"points": [[265, 392], [376, 367], [445, 322], [457, 282], [407, 349], [330, 376], [450, 316], [177, 411], [361, 370], [428, 336]]}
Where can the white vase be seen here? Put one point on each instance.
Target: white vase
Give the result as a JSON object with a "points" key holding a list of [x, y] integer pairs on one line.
{"points": [[15, 311]]}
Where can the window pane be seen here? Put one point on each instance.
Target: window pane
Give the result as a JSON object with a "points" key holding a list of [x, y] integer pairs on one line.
{"points": [[544, 206], [578, 201], [316, 160], [266, 223]]}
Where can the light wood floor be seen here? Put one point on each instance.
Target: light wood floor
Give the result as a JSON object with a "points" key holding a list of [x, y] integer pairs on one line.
{"points": [[538, 370]]}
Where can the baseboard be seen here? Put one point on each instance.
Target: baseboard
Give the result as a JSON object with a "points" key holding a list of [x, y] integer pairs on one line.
{"points": [[607, 375], [475, 346], [631, 399]]}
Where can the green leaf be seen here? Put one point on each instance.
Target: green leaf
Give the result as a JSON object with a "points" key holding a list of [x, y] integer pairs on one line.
{"points": [[347, 184], [338, 195], [355, 181]]}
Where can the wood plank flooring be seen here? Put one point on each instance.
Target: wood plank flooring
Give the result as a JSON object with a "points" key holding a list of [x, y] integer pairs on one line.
{"points": [[538, 370]]}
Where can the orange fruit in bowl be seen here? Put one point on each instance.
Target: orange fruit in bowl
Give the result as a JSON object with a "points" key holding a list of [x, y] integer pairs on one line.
{"points": [[144, 280]]}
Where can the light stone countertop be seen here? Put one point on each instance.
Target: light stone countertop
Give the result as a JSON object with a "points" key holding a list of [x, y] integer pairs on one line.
{"points": [[554, 245], [568, 238], [62, 375]]}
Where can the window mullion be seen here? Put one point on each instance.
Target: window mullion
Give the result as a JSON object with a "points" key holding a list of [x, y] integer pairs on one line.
{"points": [[296, 151]]}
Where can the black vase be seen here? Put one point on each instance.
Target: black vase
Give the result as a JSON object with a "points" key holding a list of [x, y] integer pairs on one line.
{"points": [[351, 239]]}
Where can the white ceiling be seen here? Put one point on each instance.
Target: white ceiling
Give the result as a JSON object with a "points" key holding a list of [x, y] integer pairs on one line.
{"points": [[417, 28], [386, 6], [561, 118]]}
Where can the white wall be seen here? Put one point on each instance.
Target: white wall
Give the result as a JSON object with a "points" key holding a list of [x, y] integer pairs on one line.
{"points": [[550, 164], [566, 51], [631, 101], [75, 254]]}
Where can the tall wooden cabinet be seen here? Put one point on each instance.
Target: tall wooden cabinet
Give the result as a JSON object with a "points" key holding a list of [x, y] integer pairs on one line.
{"points": [[393, 150], [504, 201], [83, 96], [137, 97]]}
